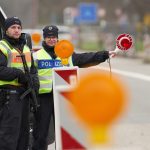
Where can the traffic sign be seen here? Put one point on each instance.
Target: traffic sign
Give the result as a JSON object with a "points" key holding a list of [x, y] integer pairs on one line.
{"points": [[88, 12]]}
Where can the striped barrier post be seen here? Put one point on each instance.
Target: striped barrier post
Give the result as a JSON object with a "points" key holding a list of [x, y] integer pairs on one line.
{"points": [[69, 134]]}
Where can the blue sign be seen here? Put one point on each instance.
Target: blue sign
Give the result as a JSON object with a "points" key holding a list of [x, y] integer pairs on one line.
{"points": [[88, 13], [45, 64]]}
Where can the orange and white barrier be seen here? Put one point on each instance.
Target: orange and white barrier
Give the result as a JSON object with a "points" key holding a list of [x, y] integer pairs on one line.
{"points": [[84, 110], [69, 134]]}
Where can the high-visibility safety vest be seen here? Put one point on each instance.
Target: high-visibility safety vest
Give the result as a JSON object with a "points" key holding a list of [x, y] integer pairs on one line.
{"points": [[44, 64], [14, 61]]}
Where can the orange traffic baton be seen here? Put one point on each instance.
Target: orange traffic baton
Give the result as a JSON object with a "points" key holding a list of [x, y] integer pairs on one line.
{"points": [[64, 50]]}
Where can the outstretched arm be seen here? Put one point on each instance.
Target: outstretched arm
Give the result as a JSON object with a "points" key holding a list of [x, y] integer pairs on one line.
{"points": [[89, 59]]}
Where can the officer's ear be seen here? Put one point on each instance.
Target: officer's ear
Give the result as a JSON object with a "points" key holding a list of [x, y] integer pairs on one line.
{"points": [[7, 32]]}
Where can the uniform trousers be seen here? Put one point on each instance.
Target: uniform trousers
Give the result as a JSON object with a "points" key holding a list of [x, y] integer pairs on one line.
{"points": [[42, 121], [14, 123]]}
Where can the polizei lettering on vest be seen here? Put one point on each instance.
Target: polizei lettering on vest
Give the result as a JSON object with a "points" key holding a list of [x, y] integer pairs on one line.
{"points": [[45, 64]]}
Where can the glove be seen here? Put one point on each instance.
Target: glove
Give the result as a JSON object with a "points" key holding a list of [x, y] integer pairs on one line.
{"points": [[36, 82], [22, 79], [114, 52], [35, 79]]}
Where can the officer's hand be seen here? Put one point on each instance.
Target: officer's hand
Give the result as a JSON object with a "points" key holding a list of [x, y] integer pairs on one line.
{"points": [[36, 82], [114, 52], [22, 79]]}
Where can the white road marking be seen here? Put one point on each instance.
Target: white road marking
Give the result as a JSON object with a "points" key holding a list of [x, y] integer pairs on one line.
{"points": [[130, 74]]}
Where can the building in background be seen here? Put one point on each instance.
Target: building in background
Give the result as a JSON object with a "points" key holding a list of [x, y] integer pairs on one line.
{"points": [[36, 12]]}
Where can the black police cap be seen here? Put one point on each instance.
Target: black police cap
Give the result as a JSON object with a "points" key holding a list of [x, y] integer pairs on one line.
{"points": [[50, 31], [11, 21]]}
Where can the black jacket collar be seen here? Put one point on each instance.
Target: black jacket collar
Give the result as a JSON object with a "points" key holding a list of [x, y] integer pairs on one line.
{"points": [[49, 50]]}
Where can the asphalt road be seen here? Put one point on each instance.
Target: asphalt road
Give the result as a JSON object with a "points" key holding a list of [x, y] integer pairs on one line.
{"points": [[133, 131], [136, 75]]}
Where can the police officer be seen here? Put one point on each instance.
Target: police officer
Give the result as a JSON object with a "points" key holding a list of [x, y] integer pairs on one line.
{"points": [[45, 60], [14, 125]]}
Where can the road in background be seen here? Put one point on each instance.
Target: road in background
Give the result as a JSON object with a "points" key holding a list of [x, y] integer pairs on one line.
{"points": [[136, 75], [134, 129]]}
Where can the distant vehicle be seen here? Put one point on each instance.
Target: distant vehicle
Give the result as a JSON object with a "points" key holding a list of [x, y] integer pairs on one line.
{"points": [[37, 35]]}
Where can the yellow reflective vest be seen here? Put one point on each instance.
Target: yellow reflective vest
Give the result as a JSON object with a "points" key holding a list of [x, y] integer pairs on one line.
{"points": [[14, 61], [44, 64]]}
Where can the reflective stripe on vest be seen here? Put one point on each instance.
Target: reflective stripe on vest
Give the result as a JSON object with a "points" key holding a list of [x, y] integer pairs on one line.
{"points": [[14, 61], [45, 63]]}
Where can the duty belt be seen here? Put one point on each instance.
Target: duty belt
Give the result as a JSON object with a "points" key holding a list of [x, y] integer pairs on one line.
{"points": [[8, 91]]}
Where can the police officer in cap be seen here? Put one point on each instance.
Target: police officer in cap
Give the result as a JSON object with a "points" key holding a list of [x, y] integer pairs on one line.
{"points": [[44, 56], [14, 125]]}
